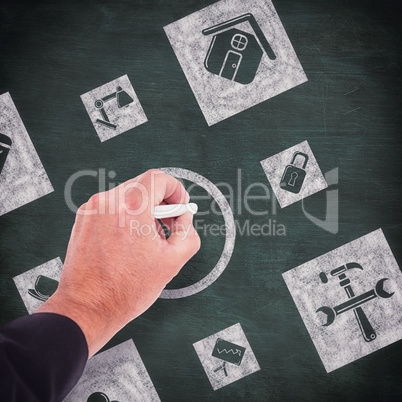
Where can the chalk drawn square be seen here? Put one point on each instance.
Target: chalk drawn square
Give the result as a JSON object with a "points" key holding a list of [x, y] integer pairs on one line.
{"points": [[352, 334], [22, 176], [114, 108], [232, 69], [226, 356], [36, 285], [279, 167], [117, 372]]}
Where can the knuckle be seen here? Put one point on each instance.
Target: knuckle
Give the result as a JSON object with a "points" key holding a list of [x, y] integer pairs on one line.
{"points": [[81, 210], [82, 207], [148, 177], [154, 171], [93, 200], [151, 172]]}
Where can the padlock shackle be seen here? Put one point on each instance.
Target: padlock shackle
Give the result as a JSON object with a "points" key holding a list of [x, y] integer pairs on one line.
{"points": [[305, 156]]}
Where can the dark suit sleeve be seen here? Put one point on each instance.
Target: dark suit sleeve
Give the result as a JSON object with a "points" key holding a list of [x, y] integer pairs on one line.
{"points": [[42, 357]]}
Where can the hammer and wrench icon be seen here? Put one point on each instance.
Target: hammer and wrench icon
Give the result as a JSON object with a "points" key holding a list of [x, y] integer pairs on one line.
{"points": [[354, 303]]}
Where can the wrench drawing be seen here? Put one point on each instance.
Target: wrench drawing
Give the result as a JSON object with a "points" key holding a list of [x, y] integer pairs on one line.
{"points": [[364, 324], [355, 302]]}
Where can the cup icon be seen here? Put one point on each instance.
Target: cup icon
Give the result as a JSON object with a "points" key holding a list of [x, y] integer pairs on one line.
{"points": [[44, 288]]}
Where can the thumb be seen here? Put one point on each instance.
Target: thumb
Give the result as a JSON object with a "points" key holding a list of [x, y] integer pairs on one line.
{"points": [[184, 241]]}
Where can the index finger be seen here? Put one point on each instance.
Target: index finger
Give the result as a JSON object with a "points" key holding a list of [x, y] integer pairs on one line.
{"points": [[164, 187]]}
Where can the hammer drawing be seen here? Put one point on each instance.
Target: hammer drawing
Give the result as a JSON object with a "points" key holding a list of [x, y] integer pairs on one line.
{"points": [[354, 302]]}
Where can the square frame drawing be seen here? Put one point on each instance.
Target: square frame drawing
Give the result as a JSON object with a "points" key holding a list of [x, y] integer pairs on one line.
{"points": [[274, 168], [220, 98], [120, 119], [236, 370], [342, 341], [23, 178], [25, 281], [119, 372]]}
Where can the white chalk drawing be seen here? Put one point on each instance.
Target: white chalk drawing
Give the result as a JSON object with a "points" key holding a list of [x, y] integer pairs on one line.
{"points": [[114, 108], [22, 176], [350, 299], [294, 174], [118, 374], [38, 284], [44, 288], [5, 145], [229, 240], [99, 397], [226, 356], [235, 54], [227, 352]]}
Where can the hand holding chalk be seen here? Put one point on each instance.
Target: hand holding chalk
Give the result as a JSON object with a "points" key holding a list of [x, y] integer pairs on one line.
{"points": [[124, 263], [174, 210]]}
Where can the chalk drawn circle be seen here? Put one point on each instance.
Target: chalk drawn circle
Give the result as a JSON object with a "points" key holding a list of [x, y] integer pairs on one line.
{"points": [[229, 240]]}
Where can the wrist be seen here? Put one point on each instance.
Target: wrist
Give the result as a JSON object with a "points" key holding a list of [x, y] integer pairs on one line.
{"points": [[92, 321]]}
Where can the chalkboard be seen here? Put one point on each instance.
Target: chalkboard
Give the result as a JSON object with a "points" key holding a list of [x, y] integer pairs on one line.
{"points": [[349, 111]]}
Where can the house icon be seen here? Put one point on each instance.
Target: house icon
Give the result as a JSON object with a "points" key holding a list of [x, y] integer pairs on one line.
{"points": [[234, 54]]}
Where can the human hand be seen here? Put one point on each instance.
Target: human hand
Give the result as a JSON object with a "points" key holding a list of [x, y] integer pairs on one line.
{"points": [[118, 260]]}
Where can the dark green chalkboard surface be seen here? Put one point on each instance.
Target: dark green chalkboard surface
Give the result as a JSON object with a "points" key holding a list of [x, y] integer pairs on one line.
{"points": [[349, 110]]}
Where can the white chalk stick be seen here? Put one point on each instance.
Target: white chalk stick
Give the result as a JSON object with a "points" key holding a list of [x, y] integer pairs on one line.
{"points": [[174, 210]]}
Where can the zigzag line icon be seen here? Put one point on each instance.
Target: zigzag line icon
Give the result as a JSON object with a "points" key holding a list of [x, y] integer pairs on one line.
{"points": [[238, 352]]}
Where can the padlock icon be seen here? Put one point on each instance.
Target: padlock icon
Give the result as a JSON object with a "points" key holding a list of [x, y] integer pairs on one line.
{"points": [[5, 145], [293, 176]]}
